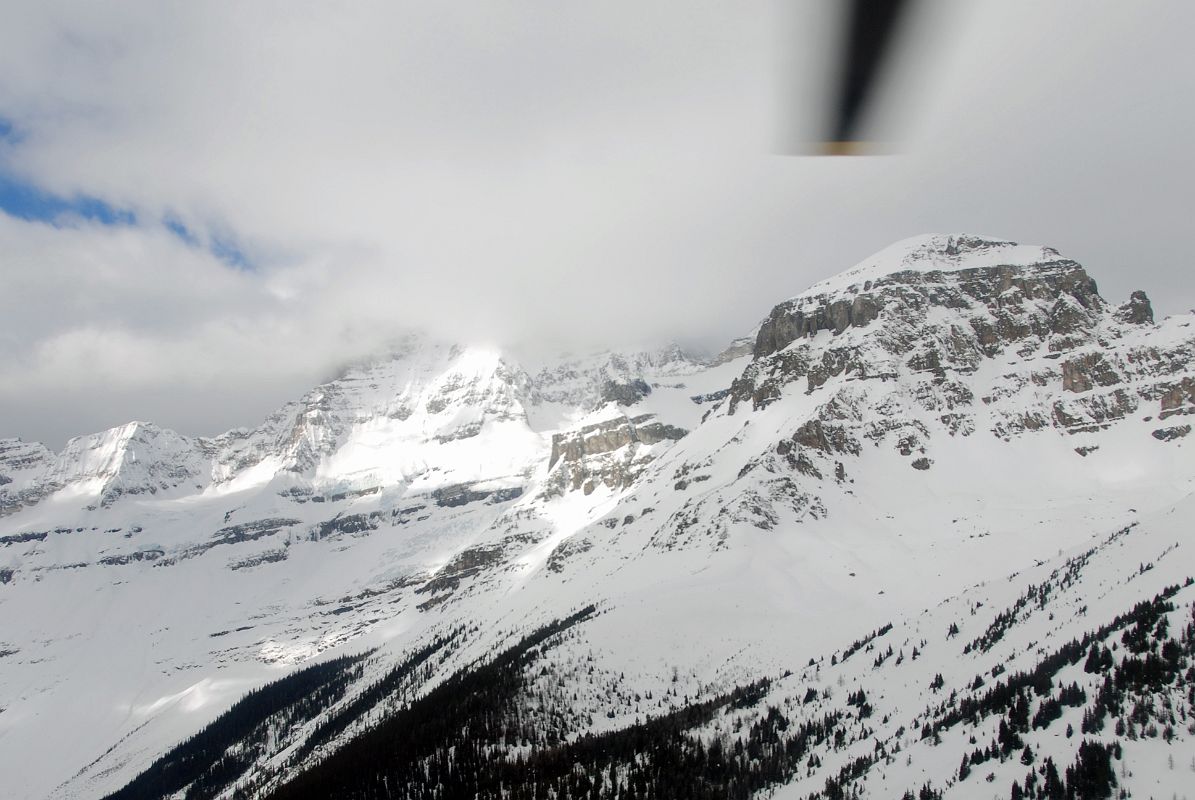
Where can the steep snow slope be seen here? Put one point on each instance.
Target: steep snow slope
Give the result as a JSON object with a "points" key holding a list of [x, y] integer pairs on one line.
{"points": [[991, 635], [954, 410]]}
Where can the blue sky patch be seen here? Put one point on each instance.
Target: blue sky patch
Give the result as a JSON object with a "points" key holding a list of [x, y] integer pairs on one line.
{"points": [[227, 251], [223, 248], [24, 200], [21, 199], [181, 231]]}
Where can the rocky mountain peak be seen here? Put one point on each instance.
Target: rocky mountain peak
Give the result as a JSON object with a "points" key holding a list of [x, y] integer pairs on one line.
{"points": [[130, 459], [947, 272], [941, 338]]}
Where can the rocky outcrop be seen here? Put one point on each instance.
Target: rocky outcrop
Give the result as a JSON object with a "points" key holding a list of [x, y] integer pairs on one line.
{"points": [[825, 437], [606, 437], [124, 559], [463, 494], [710, 397], [1172, 433], [1138, 311], [606, 453], [23, 537], [22, 465], [791, 321], [1085, 372], [625, 394], [1178, 399], [468, 565], [17, 456], [251, 531]]}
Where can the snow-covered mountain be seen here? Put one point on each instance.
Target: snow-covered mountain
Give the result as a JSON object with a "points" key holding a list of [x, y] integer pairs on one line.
{"points": [[823, 561]]}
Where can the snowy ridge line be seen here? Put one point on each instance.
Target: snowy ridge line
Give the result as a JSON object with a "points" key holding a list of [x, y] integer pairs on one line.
{"points": [[932, 253]]}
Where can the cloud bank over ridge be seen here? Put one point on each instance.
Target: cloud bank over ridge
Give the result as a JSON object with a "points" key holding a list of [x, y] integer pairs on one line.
{"points": [[577, 175]]}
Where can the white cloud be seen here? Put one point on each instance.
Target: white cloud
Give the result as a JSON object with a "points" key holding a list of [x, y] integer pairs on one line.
{"points": [[501, 170]]}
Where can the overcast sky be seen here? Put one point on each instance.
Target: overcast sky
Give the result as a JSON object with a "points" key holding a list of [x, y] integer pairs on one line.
{"points": [[281, 187]]}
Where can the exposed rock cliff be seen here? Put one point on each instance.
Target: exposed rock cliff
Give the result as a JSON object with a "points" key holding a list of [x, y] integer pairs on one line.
{"points": [[610, 452]]}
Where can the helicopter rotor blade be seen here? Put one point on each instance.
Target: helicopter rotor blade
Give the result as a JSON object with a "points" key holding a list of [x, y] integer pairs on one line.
{"points": [[870, 28]]}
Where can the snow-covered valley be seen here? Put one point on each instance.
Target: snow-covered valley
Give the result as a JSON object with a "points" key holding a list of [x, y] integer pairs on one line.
{"points": [[959, 438]]}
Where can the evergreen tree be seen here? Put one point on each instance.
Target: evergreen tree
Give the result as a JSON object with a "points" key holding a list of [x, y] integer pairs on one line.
{"points": [[1092, 777], [1052, 788]]}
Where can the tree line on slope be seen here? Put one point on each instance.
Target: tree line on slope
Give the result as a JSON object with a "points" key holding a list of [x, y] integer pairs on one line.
{"points": [[469, 736], [205, 763], [454, 743]]}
